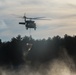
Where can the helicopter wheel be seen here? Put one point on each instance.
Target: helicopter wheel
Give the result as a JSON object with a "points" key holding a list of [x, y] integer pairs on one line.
{"points": [[35, 28], [27, 28]]}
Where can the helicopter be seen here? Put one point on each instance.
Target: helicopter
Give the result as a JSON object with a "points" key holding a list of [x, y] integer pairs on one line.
{"points": [[29, 23]]}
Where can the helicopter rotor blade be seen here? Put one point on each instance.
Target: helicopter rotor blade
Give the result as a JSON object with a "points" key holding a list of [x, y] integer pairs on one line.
{"points": [[38, 17], [43, 19], [35, 17], [18, 16]]}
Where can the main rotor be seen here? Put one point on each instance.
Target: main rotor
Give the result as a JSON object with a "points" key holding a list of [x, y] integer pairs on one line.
{"points": [[32, 18]]}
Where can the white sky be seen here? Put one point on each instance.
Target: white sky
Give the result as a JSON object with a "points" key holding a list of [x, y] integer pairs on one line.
{"points": [[61, 12]]}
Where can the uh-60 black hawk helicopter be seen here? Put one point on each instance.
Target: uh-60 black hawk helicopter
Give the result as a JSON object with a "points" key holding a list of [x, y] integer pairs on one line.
{"points": [[29, 23]]}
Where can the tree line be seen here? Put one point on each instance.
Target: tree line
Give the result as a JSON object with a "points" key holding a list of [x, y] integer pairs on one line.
{"points": [[15, 51]]}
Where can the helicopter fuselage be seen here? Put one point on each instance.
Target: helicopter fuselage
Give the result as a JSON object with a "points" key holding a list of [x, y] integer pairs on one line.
{"points": [[29, 24]]}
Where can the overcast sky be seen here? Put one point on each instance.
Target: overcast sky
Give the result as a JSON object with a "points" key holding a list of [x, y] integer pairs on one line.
{"points": [[61, 12]]}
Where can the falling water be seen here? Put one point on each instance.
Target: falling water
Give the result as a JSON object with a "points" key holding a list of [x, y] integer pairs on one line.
{"points": [[64, 65]]}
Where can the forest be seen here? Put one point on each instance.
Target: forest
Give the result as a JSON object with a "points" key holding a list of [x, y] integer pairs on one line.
{"points": [[15, 52]]}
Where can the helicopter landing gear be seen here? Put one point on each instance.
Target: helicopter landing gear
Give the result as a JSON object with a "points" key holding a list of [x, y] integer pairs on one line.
{"points": [[26, 28], [35, 28]]}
